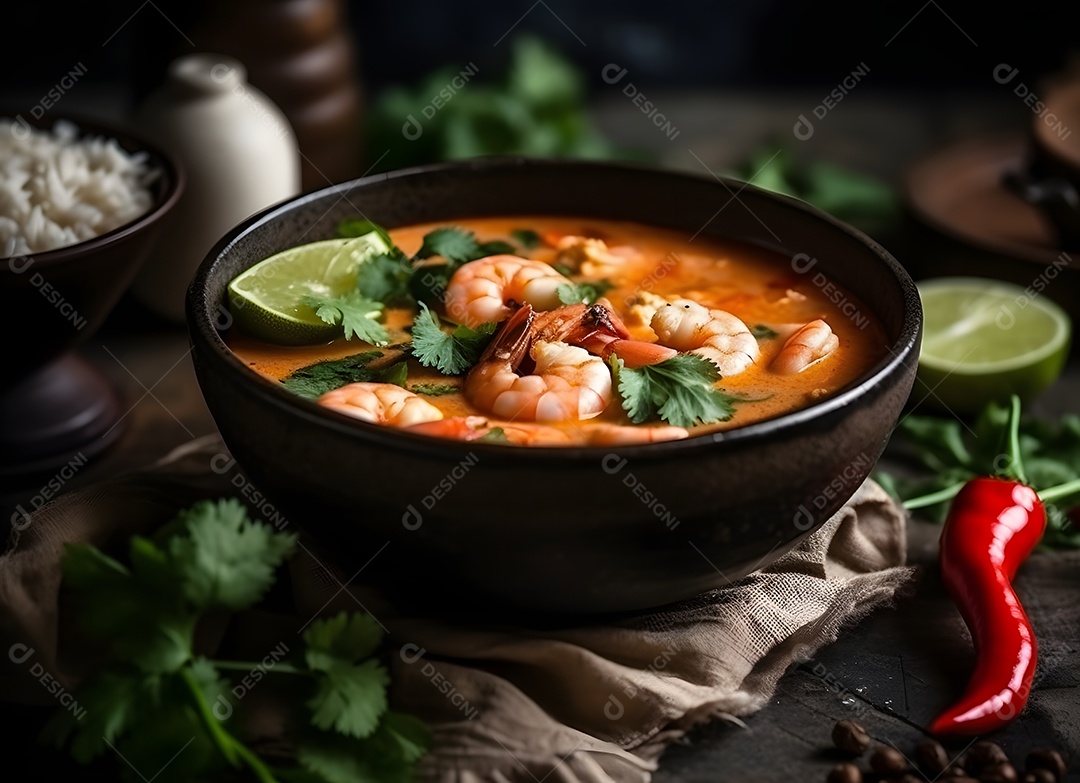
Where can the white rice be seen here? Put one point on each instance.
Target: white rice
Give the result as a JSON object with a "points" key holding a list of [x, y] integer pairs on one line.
{"points": [[57, 189]]}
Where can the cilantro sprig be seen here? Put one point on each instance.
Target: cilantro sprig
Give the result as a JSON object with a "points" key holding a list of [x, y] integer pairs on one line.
{"points": [[355, 313], [679, 390], [947, 453], [394, 278], [573, 293], [315, 380], [154, 689], [451, 353]]}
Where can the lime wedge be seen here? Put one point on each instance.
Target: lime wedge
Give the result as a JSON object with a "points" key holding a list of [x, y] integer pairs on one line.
{"points": [[985, 339], [267, 300]]}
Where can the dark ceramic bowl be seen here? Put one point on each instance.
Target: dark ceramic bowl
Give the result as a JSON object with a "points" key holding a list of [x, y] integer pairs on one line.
{"points": [[52, 403], [568, 530]]}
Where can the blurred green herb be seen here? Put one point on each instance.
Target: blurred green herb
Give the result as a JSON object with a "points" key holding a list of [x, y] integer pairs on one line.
{"points": [[316, 380], [153, 689], [849, 195], [453, 352], [943, 447], [536, 108]]}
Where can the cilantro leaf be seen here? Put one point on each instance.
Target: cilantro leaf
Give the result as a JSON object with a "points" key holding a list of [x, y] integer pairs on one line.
{"points": [[354, 312], [429, 282], [763, 332], [1050, 451], [357, 227], [450, 354], [525, 237], [223, 557], [349, 698], [113, 605], [494, 435], [456, 245], [573, 293], [107, 706], [385, 278], [678, 390], [334, 760], [347, 636], [315, 380], [496, 247], [384, 757], [433, 389]]}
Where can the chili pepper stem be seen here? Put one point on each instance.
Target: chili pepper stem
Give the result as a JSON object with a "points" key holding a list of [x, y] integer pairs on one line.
{"points": [[933, 498], [1061, 490]]}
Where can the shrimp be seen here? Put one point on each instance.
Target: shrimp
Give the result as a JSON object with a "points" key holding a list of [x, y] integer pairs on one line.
{"points": [[476, 427], [598, 329], [567, 382], [807, 345], [381, 403], [484, 290], [626, 435], [594, 259], [454, 427], [531, 434], [716, 335]]}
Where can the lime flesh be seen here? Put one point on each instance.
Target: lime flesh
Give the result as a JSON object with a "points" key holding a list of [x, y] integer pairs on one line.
{"points": [[268, 301], [984, 340]]}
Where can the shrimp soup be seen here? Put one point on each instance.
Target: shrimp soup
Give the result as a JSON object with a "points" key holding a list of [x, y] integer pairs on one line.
{"points": [[554, 331]]}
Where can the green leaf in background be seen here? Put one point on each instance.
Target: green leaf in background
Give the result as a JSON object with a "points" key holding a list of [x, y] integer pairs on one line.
{"points": [[947, 453], [535, 106], [849, 195]]}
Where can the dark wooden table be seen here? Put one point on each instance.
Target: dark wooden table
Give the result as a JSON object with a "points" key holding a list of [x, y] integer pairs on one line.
{"points": [[894, 670]]}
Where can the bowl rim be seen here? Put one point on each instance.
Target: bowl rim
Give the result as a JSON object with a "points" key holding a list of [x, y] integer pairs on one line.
{"points": [[201, 320], [172, 173]]}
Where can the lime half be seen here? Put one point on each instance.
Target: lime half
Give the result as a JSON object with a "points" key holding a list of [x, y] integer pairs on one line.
{"points": [[984, 340], [268, 300]]}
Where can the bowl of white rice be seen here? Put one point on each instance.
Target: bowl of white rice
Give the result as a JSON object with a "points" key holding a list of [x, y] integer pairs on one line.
{"points": [[81, 205]]}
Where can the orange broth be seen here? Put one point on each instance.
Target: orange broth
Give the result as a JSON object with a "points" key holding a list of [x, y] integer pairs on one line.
{"points": [[755, 285]]}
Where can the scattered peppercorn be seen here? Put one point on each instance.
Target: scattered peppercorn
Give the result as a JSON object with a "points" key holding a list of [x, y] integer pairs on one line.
{"points": [[888, 761], [844, 773], [999, 773], [850, 737], [1048, 759], [981, 755], [1039, 775], [931, 757]]}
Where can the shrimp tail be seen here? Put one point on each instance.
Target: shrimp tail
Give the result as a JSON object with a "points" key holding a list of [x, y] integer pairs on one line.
{"points": [[512, 341]]}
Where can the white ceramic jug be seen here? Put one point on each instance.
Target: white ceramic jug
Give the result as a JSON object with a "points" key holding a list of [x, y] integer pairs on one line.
{"points": [[238, 153]]}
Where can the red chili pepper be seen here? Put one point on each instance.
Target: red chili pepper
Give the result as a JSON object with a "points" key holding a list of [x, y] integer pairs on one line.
{"points": [[992, 526]]}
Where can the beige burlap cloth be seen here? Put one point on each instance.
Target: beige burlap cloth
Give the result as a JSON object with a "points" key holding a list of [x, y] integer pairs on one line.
{"points": [[587, 704]]}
